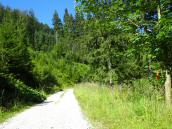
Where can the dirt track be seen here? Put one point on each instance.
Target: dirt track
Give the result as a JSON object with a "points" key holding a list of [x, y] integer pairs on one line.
{"points": [[59, 111]]}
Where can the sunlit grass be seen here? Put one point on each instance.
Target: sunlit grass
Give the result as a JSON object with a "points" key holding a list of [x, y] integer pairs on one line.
{"points": [[115, 109]]}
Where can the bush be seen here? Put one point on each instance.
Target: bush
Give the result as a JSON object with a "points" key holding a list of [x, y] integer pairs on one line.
{"points": [[53, 71], [151, 89], [16, 89], [44, 71]]}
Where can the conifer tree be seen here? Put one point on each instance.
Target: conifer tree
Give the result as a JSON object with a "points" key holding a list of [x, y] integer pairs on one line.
{"points": [[58, 26]]}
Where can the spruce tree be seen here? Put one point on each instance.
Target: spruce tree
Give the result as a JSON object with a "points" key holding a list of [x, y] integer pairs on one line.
{"points": [[58, 26]]}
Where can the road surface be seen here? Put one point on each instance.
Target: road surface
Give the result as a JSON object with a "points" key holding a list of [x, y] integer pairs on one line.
{"points": [[59, 111]]}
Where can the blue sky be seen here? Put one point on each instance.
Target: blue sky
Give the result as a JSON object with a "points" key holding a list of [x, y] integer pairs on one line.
{"points": [[43, 9]]}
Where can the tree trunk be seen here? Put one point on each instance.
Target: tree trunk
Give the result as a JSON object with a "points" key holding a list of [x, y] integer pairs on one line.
{"points": [[56, 37], [149, 69], [159, 11], [168, 88], [110, 72], [168, 94], [2, 99]]}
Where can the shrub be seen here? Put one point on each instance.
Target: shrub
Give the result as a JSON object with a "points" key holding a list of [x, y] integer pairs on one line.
{"points": [[20, 90]]}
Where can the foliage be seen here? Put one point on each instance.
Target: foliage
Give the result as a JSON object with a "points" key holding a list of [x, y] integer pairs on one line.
{"points": [[20, 32], [20, 91], [145, 31]]}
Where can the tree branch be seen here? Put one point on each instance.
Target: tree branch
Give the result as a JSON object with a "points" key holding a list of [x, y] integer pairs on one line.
{"points": [[138, 26]]}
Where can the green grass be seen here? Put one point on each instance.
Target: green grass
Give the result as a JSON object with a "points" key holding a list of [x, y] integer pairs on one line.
{"points": [[17, 108], [115, 109]]}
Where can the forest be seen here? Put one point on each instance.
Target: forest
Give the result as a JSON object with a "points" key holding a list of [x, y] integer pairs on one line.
{"points": [[120, 44], [37, 60]]}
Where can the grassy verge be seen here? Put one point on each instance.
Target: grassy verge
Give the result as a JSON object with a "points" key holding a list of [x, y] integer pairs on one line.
{"points": [[114, 109], [17, 108]]}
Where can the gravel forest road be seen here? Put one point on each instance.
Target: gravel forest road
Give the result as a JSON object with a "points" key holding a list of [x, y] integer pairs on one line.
{"points": [[59, 111]]}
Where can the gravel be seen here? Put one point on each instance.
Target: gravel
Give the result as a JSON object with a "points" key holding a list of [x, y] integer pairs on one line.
{"points": [[59, 111]]}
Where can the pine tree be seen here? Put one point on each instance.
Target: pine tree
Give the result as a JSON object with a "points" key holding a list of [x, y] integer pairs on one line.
{"points": [[79, 23], [58, 26], [68, 23], [31, 29]]}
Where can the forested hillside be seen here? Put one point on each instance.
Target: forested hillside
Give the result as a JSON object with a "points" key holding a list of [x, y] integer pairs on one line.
{"points": [[114, 43], [36, 59]]}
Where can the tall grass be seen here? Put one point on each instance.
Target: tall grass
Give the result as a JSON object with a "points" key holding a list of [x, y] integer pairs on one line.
{"points": [[123, 109]]}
